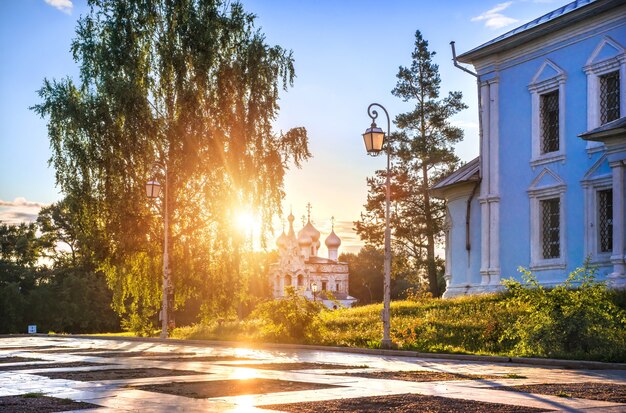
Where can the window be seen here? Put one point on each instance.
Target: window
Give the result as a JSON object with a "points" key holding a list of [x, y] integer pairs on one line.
{"points": [[550, 122], [551, 228], [324, 285], [606, 91], [609, 97], [597, 185], [547, 90], [547, 222], [605, 220]]}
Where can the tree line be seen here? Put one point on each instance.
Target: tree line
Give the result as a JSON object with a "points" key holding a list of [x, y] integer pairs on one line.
{"points": [[186, 93]]}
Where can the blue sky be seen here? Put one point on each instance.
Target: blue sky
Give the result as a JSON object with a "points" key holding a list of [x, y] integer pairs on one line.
{"points": [[347, 55]]}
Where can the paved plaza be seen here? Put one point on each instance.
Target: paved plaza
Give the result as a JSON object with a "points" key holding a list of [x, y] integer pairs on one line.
{"points": [[35, 365]]}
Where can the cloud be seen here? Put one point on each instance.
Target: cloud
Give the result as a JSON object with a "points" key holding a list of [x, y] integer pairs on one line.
{"points": [[494, 19], [21, 202], [19, 210], [65, 6]]}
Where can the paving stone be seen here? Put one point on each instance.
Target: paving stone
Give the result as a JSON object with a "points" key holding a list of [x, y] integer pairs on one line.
{"points": [[121, 394]]}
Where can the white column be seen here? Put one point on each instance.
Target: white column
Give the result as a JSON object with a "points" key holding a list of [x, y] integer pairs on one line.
{"points": [[494, 184], [617, 258], [484, 241], [485, 164], [484, 144], [494, 241], [494, 139]]}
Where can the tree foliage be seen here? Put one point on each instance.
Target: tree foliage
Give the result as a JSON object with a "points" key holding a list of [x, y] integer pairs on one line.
{"points": [[422, 152], [290, 320], [366, 274], [55, 294], [192, 86]]}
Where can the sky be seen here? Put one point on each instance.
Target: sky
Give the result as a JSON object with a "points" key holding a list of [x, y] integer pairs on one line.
{"points": [[347, 53]]}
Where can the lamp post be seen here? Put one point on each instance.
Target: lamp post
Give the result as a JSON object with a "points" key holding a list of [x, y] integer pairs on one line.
{"points": [[314, 290], [374, 139], [153, 189]]}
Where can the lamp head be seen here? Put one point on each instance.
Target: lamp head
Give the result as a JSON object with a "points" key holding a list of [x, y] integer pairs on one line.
{"points": [[153, 189], [374, 138]]}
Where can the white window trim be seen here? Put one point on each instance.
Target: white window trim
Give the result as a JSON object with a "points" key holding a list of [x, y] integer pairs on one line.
{"points": [[538, 88], [594, 70], [536, 195], [591, 187]]}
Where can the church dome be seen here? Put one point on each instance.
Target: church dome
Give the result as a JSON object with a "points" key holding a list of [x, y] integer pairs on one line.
{"points": [[304, 240], [311, 231], [332, 241], [281, 241]]}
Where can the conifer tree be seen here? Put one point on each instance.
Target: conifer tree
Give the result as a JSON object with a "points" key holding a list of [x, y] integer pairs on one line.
{"points": [[422, 153]]}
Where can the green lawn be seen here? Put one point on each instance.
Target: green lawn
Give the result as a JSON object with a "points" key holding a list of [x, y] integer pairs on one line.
{"points": [[495, 324]]}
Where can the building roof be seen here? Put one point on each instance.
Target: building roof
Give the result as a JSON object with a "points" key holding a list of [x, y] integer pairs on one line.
{"points": [[555, 20], [470, 172], [608, 130], [320, 260]]}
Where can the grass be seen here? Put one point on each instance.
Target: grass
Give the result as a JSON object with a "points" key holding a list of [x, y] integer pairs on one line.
{"points": [[120, 334], [463, 325], [514, 376], [32, 395], [460, 325]]}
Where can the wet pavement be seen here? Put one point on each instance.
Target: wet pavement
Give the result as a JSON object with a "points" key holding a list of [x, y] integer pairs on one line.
{"points": [[233, 362]]}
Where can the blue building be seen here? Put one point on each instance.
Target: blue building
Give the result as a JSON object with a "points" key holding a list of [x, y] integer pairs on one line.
{"points": [[547, 190]]}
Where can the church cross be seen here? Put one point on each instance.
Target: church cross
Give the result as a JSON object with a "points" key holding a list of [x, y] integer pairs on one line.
{"points": [[332, 222], [308, 209]]}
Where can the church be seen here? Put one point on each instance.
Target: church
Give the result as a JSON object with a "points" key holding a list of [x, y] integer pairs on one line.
{"points": [[547, 191], [321, 279]]}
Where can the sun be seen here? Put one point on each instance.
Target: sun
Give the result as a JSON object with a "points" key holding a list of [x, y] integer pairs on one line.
{"points": [[246, 220], [248, 224]]}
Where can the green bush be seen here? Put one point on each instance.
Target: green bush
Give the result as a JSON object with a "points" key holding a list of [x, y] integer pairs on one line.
{"points": [[291, 319], [576, 319]]}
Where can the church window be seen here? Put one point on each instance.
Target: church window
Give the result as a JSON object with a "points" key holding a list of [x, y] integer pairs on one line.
{"points": [[547, 92], [550, 122], [609, 97], [598, 237], [547, 222], [337, 287], [605, 220], [606, 88], [551, 228], [324, 285]]}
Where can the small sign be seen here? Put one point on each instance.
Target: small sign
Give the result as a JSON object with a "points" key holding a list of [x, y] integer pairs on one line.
{"points": [[32, 329]]}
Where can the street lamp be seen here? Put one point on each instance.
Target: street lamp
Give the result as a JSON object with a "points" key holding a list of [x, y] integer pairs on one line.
{"points": [[374, 139], [153, 190], [314, 290]]}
